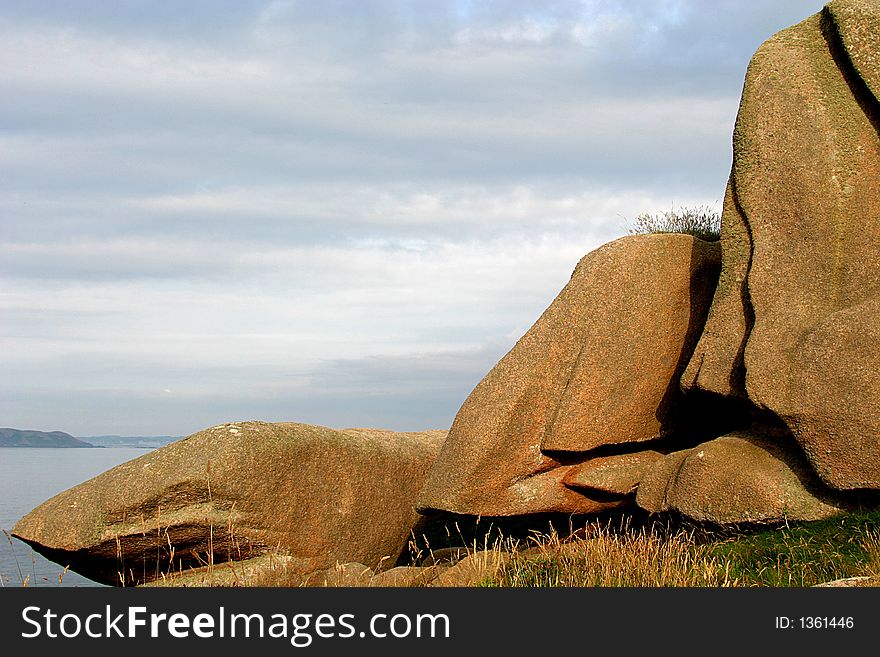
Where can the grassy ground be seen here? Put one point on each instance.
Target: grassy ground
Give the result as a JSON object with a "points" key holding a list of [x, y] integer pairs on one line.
{"points": [[803, 554]]}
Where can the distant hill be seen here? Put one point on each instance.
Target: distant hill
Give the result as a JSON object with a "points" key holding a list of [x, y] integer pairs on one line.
{"points": [[28, 438], [147, 442]]}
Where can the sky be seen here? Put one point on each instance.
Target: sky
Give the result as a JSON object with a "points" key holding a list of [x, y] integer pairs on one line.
{"points": [[338, 213]]}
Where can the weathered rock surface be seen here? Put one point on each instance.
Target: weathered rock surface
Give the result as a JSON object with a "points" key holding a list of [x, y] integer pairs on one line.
{"points": [[738, 478], [851, 582], [599, 367], [239, 490], [794, 323], [618, 474], [834, 411], [857, 23]]}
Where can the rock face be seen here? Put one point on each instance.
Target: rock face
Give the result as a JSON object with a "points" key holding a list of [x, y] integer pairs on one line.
{"points": [[238, 490], [600, 367], [741, 477], [794, 324], [619, 474]]}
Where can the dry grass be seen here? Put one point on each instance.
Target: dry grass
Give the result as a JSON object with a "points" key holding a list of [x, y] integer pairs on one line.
{"points": [[871, 545], [607, 558], [701, 221]]}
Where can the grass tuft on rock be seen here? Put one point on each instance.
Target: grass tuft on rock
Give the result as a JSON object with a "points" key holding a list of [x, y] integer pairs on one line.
{"points": [[701, 221]]}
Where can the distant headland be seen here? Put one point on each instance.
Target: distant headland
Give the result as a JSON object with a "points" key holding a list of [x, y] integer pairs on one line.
{"points": [[56, 439], [29, 438]]}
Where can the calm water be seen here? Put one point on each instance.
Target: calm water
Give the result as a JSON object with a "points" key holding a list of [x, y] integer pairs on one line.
{"points": [[29, 477]]}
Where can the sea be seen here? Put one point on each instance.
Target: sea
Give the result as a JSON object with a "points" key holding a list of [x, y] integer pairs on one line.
{"points": [[29, 477]]}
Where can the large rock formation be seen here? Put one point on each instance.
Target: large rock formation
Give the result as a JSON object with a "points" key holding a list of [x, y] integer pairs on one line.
{"points": [[794, 324], [600, 367], [236, 491]]}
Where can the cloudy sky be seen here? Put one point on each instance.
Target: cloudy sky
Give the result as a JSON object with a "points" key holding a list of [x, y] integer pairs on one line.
{"points": [[340, 213]]}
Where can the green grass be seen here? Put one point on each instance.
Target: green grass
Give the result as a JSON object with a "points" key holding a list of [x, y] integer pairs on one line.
{"points": [[805, 554]]}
